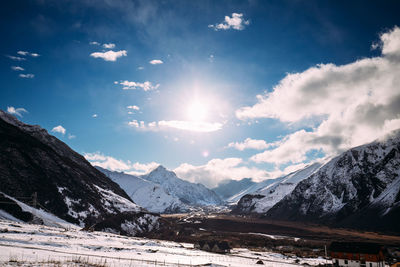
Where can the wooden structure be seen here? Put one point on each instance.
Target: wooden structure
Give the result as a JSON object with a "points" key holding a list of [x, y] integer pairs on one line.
{"points": [[213, 246], [357, 254]]}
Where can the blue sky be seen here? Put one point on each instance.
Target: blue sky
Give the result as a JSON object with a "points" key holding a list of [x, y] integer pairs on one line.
{"points": [[213, 89]]}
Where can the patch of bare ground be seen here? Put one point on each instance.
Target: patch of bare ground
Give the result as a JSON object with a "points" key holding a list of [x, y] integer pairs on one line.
{"points": [[290, 238]]}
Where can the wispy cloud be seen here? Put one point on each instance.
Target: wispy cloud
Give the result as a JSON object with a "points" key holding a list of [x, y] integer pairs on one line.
{"points": [[94, 115], [192, 126], [71, 136], [146, 86], [17, 68], [27, 76], [16, 111], [26, 53], [109, 55], [16, 58], [156, 62], [94, 43], [59, 129], [236, 22]]}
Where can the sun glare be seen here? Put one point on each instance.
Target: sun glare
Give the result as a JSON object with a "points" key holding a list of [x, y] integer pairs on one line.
{"points": [[197, 111]]}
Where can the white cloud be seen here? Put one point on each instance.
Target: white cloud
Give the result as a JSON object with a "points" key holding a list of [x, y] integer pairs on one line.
{"points": [[17, 68], [109, 46], [71, 136], [193, 126], [94, 115], [249, 143], [16, 58], [179, 125], [146, 86], [16, 111], [140, 68], [217, 170], [156, 62], [94, 43], [23, 53], [133, 107], [236, 22], [28, 76], [109, 55], [59, 129], [26, 53], [113, 164], [350, 104]]}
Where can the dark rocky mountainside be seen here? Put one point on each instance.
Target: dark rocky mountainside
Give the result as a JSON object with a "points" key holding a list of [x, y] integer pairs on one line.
{"points": [[359, 189], [31, 160]]}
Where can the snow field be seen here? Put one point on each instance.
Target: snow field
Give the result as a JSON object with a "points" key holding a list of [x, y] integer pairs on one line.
{"points": [[37, 245]]}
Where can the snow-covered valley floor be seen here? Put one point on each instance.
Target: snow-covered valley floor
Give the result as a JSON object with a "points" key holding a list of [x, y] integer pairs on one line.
{"points": [[24, 244]]}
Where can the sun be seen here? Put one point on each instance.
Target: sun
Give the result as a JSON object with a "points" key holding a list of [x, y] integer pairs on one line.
{"points": [[197, 111]]}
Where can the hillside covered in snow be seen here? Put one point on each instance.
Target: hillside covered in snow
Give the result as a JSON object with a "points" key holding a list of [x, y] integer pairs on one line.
{"points": [[359, 188], [261, 200], [66, 185], [147, 194]]}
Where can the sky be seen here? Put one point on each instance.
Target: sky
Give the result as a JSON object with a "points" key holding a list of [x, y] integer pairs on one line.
{"points": [[213, 90]]}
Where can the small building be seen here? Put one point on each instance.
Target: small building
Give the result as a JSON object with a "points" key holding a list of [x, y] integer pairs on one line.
{"points": [[357, 254], [213, 246]]}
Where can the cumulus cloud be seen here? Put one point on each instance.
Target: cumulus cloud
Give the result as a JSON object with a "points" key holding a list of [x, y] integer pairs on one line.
{"points": [[109, 46], [249, 143], [16, 111], [109, 55], [348, 105], [217, 170], [59, 129], [17, 68], [27, 76], [146, 86], [156, 62], [236, 22], [113, 164]]}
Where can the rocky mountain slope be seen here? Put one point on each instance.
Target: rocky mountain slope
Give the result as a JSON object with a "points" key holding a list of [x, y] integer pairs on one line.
{"points": [[31, 160], [359, 188], [187, 192], [264, 198], [147, 194]]}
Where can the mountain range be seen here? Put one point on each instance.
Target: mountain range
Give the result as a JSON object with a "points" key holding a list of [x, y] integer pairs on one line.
{"points": [[162, 191]]}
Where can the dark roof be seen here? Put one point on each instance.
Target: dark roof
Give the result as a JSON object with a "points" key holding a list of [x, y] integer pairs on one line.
{"points": [[355, 247], [222, 245]]}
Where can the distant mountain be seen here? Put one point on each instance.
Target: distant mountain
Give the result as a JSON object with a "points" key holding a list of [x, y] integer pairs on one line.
{"points": [[251, 190], [189, 193], [264, 198], [147, 194], [359, 188], [229, 188], [31, 160]]}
